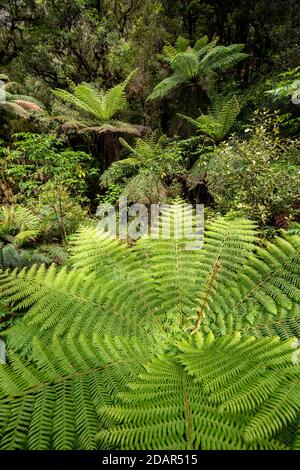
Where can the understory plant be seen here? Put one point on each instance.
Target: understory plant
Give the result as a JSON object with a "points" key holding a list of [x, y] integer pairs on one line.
{"points": [[288, 86], [257, 177], [144, 175], [60, 213], [153, 346], [19, 229], [217, 124], [50, 179], [39, 159]]}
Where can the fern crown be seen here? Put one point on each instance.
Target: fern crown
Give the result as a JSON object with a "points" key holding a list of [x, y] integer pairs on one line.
{"points": [[191, 65], [96, 109]]}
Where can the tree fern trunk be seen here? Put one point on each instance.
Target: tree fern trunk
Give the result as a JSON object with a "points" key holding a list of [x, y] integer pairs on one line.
{"points": [[106, 148], [193, 100]]}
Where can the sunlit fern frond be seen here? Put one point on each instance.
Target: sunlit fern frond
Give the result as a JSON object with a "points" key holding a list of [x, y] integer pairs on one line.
{"points": [[166, 86], [221, 287], [201, 43], [224, 397], [14, 103], [18, 223], [53, 402], [218, 123], [185, 64], [116, 393], [221, 58], [266, 298], [20, 216]]}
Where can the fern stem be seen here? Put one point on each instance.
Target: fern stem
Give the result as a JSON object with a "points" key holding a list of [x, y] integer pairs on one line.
{"points": [[208, 290]]}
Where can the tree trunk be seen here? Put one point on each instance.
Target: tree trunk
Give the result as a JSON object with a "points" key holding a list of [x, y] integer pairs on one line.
{"points": [[106, 148]]}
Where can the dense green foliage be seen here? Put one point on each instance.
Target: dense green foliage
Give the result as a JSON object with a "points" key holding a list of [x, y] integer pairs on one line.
{"points": [[98, 108], [143, 344], [114, 69]]}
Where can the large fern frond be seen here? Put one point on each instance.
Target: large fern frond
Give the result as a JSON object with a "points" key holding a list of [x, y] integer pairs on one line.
{"points": [[113, 393], [156, 346], [265, 300], [218, 123], [53, 402], [221, 58], [225, 389], [166, 86], [221, 287], [186, 64]]}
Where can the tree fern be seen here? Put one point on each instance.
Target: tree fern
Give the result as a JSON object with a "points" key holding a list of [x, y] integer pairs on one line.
{"points": [[96, 109], [218, 123], [13, 103], [153, 346], [195, 65], [146, 153]]}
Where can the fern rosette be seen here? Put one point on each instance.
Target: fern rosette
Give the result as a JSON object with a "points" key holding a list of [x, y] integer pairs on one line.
{"points": [[153, 346]]}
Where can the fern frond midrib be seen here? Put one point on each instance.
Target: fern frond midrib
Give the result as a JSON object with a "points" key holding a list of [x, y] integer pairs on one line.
{"points": [[209, 287]]}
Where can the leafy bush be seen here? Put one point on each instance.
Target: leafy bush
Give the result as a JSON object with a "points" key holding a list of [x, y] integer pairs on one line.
{"points": [[288, 86], [258, 177], [60, 214], [37, 159]]}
